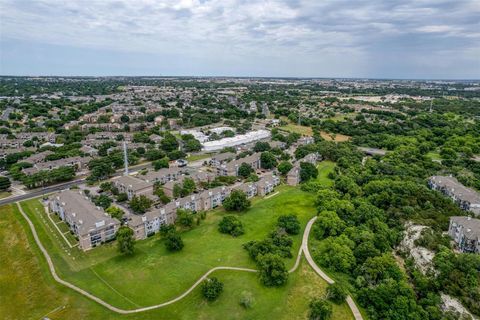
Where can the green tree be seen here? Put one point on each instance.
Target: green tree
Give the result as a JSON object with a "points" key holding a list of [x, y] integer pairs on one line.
{"points": [[236, 201], [212, 288], [140, 204], [284, 167], [245, 170], [4, 183], [169, 142], [268, 160], [126, 241], [184, 218], [231, 225], [188, 187], [290, 223], [337, 293], [115, 212], [173, 241], [272, 270], [307, 171], [320, 309], [161, 163], [261, 146], [102, 200], [328, 224]]}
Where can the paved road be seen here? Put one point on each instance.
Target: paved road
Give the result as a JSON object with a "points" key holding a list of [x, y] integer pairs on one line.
{"points": [[57, 187]]}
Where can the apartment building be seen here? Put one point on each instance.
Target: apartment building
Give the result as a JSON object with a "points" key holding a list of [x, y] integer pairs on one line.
{"points": [[267, 183], [79, 163], [221, 158], [133, 186], [467, 199], [465, 232], [38, 157], [162, 176], [231, 168], [89, 223]]}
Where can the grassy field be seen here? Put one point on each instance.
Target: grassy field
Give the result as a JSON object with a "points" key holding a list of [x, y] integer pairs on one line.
{"points": [[303, 130], [307, 131], [324, 168], [196, 157], [153, 275], [4, 194]]}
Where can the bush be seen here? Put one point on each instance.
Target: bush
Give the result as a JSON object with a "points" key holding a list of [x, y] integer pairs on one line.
{"points": [[320, 309], [126, 242], [289, 223], [237, 201], [272, 270], [231, 225], [173, 241], [212, 288], [246, 299], [336, 293], [122, 197], [184, 218]]}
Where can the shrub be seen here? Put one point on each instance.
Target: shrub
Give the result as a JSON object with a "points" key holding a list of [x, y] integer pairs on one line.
{"points": [[336, 293], [246, 299], [320, 309], [173, 241], [289, 223], [231, 225], [212, 288]]}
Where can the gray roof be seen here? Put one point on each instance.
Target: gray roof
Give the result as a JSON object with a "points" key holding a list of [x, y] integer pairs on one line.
{"points": [[471, 227], [82, 211], [132, 182], [457, 188], [224, 156]]}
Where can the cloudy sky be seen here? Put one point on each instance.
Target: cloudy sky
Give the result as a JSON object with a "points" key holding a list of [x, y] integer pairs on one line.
{"points": [[304, 38]]}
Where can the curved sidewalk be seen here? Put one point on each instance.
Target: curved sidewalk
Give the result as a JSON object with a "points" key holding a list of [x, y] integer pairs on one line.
{"points": [[356, 313], [303, 248]]}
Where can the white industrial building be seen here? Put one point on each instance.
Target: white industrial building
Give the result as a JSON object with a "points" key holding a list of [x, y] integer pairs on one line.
{"points": [[237, 140]]}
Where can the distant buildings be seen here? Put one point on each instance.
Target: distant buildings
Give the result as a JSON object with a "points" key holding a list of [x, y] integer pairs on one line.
{"points": [[465, 232], [466, 198], [236, 141]]}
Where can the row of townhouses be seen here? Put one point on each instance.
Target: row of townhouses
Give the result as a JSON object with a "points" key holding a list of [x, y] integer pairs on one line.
{"points": [[467, 199], [92, 226], [79, 163]]}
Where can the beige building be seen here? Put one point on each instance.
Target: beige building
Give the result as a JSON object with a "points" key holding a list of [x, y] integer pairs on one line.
{"points": [[90, 224]]}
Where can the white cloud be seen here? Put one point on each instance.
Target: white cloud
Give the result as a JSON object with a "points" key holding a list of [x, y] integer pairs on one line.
{"points": [[288, 30]]}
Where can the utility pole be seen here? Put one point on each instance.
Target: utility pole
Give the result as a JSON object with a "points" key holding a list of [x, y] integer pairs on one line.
{"points": [[125, 157]]}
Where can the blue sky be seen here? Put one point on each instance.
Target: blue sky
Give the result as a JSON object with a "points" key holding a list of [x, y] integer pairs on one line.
{"points": [[317, 38]]}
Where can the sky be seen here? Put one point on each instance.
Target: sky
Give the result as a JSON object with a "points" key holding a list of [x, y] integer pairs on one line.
{"points": [[413, 39]]}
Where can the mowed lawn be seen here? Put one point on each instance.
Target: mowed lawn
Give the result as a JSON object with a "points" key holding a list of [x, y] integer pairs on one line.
{"points": [[154, 275], [324, 168], [29, 292]]}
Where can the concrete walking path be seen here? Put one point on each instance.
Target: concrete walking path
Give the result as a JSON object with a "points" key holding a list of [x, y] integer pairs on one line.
{"points": [[303, 248], [356, 313]]}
